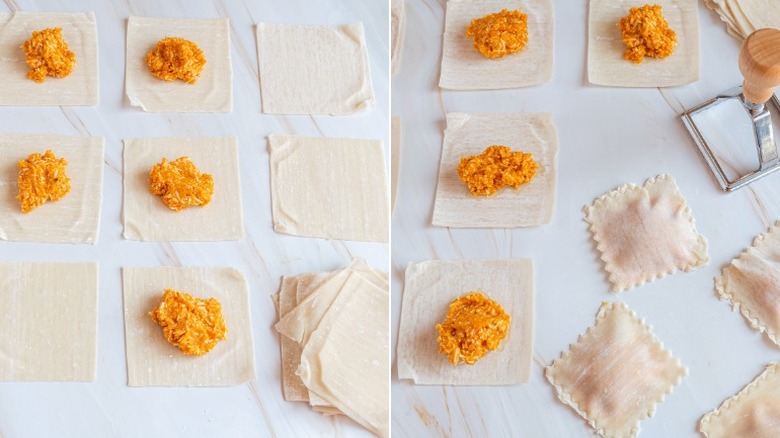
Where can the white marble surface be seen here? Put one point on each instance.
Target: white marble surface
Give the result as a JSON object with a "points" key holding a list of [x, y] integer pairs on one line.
{"points": [[607, 137], [107, 407]]}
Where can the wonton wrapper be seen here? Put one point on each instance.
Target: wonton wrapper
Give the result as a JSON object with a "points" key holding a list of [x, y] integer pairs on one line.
{"points": [[464, 68], [753, 413], [73, 219], [48, 321], [751, 283], [397, 33], [429, 289], [308, 69], [146, 217], [212, 92], [616, 373], [744, 17], [81, 87], [645, 233], [153, 361], [606, 65], [469, 134], [333, 188]]}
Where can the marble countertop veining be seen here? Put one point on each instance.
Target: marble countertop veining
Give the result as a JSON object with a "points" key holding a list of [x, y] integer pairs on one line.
{"points": [[107, 407], [607, 137]]}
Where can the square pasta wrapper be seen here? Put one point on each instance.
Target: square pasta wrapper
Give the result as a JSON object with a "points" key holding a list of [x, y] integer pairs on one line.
{"points": [[429, 289], [397, 33], [146, 217], [754, 412], [308, 69], [743, 17], [751, 282], [333, 188], [213, 90], [48, 322], [152, 361], [616, 373], [81, 87], [606, 65], [469, 134], [464, 68], [645, 233], [73, 219]]}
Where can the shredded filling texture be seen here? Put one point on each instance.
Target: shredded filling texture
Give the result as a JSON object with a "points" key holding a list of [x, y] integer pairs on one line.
{"points": [[194, 325], [47, 54], [495, 168], [646, 33], [176, 58], [41, 178], [499, 34], [180, 184], [475, 325]]}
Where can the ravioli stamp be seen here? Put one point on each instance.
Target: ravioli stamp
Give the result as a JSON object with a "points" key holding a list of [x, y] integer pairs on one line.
{"points": [[751, 282], [645, 233], [753, 412], [616, 373]]}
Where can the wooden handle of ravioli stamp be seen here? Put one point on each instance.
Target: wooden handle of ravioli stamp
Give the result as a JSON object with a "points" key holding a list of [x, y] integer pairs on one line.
{"points": [[759, 62]]}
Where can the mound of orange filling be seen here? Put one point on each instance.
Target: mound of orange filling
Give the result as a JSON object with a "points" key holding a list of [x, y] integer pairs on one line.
{"points": [[499, 34], [47, 54], [176, 58], [495, 168], [41, 178], [193, 324], [180, 184], [646, 33], [475, 325]]}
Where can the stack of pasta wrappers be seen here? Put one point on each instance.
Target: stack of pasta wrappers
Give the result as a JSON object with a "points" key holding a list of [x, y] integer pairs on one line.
{"points": [[334, 342]]}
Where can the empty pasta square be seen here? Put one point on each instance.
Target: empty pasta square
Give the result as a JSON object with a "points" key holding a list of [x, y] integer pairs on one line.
{"points": [[80, 87], [616, 373], [334, 188], [74, 218], [606, 65], [308, 69], [754, 412], [429, 289], [212, 90], [645, 233], [464, 68], [48, 322], [153, 361], [147, 217], [751, 282], [469, 134]]}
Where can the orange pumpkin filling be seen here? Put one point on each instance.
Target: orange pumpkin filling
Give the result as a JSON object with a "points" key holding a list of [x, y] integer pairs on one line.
{"points": [[646, 33], [499, 34], [41, 178], [192, 324], [176, 58], [475, 325], [47, 54], [180, 184], [495, 168]]}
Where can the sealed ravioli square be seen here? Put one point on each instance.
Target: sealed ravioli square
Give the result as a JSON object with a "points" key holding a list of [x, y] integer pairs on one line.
{"points": [[334, 188], [308, 69], [606, 65], [75, 218], [469, 134], [146, 217], [429, 289], [152, 361], [754, 412], [48, 321], [213, 90], [645, 233], [464, 68], [616, 373], [751, 283], [80, 87]]}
